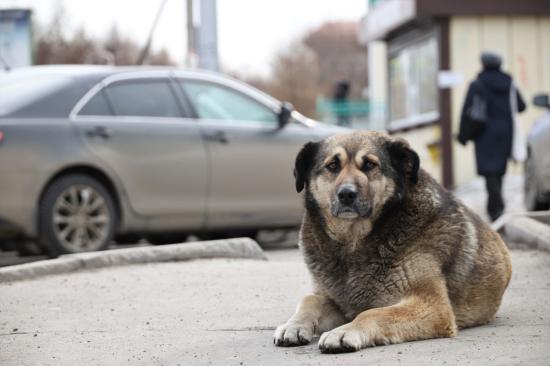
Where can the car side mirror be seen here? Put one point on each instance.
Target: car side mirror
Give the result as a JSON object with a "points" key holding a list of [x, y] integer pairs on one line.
{"points": [[541, 100], [285, 113]]}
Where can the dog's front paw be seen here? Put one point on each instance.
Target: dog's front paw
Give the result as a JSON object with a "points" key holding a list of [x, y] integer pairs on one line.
{"points": [[293, 334], [342, 339]]}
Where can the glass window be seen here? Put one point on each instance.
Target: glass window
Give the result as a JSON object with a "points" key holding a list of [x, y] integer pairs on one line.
{"points": [[97, 106], [413, 80], [213, 101], [148, 98]]}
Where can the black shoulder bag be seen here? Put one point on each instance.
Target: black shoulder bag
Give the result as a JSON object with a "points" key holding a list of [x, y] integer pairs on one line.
{"points": [[476, 117]]}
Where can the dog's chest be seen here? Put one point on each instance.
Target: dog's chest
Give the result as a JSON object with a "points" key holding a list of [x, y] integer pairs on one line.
{"points": [[357, 281]]}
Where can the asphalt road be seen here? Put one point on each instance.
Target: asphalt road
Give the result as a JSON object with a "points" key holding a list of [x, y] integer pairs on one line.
{"points": [[11, 258], [223, 312]]}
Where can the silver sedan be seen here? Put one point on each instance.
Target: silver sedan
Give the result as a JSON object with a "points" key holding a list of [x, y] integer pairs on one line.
{"points": [[89, 154], [537, 166]]}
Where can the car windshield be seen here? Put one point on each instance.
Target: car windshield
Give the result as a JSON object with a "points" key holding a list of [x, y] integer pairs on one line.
{"points": [[20, 90]]}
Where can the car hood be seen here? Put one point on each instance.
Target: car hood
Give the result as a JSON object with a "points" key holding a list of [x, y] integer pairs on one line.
{"points": [[319, 128], [327, 130]]}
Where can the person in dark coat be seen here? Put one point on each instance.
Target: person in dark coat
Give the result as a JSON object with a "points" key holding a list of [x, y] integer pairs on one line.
{"points": [[340, 98], [493, 145]]}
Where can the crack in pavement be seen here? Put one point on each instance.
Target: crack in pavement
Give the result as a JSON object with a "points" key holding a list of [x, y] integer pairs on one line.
{"points": [[245, 329]]}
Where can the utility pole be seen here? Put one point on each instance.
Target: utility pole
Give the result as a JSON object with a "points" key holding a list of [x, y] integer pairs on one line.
{"points": [[191, 49], [145, 51], [207, 36]]}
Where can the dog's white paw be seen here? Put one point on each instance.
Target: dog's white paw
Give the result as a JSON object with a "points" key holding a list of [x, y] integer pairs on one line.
{"points": [[342, 339], [293, 334]]}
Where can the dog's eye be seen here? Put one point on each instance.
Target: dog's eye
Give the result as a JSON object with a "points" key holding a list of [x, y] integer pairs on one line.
{"points": [[333, 167], [368, 166]]}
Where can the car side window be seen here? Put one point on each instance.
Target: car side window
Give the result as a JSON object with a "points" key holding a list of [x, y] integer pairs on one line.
{"points": [[97, 106], [212, 101], [146, 98]]}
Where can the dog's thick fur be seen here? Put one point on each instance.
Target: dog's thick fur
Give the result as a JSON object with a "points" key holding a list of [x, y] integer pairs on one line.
{"points": [[406, 261]]}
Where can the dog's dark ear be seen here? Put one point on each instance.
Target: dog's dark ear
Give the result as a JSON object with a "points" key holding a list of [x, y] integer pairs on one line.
{"points": [[404, 159], [304, 164]]}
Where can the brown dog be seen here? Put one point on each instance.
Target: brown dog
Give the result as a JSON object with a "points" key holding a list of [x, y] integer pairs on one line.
{"points": [[394, 257]]}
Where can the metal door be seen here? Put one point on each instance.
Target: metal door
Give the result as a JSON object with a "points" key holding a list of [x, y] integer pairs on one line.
{"points": [[251, 159], [137, 128]]}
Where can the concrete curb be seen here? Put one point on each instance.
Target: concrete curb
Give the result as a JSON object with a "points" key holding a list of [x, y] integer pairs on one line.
{"points": [[543, 216], [227, 248], [529, 231]]}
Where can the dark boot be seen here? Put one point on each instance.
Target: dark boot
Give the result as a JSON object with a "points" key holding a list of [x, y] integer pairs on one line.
{"points": [[495, 203]]}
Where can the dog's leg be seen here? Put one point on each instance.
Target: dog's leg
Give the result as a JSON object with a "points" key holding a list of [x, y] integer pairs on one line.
{"points": [[424, 313], [315, 314]]}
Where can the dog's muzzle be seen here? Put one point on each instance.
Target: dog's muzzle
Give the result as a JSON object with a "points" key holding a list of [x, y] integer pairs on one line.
{"points": [[348, 205]]}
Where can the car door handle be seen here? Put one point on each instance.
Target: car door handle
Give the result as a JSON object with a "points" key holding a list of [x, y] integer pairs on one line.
{"points": [[218, 136], [99, 131]]}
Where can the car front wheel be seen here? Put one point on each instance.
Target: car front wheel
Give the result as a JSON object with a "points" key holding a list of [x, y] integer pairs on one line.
{"points": [[77, 214]]}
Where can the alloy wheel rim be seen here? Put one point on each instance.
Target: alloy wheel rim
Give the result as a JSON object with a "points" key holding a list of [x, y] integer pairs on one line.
{"points": [[81, 219]]}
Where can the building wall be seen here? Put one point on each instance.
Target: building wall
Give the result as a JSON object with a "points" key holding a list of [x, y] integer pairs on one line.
{"points": [[425, 142], [378, 84], [524, 43]]}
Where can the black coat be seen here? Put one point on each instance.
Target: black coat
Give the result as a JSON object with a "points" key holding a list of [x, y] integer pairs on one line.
{"points": [[494, 145]]}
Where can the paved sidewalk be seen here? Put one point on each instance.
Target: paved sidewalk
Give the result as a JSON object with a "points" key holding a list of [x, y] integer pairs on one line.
{"points": [[474, 195], [224, 311]]}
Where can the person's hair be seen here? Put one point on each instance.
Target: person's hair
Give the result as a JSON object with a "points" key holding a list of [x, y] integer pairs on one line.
{"points": [[491, 60]]}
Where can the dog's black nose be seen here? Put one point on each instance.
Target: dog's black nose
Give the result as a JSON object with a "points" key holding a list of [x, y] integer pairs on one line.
{"points": [[347, 194]]}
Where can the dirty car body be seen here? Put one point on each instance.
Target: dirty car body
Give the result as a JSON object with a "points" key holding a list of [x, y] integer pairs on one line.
{"points": [[537, 166], [151, 150]]}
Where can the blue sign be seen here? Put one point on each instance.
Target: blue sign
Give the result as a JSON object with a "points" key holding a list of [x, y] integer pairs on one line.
{"points": [[15, 38]]}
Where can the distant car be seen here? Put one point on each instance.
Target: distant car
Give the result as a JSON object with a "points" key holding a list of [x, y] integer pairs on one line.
{"points": [[537, 166], [92, 153]]}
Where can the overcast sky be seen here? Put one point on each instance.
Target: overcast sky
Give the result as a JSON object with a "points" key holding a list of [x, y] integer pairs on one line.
{"points": [[249, 31]]}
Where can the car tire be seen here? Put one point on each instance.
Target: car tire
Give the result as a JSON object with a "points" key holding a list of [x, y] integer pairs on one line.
{"points": [[532, 194], [163, 239], [128, 239], [217, 235], [76, 214], [27, 248]]}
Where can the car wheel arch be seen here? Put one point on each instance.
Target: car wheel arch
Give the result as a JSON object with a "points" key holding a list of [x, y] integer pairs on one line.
{"points": [[93, 172]]}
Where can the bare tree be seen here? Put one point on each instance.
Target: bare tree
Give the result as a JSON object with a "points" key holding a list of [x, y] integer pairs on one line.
{"points": [[53, 46], [50, 42], [340, 56], [124, 50], [161, 57], [294, 78], [311, 66]]}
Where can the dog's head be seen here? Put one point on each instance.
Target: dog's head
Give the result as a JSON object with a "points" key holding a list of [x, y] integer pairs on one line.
{"points": [[354, 176]]}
